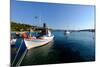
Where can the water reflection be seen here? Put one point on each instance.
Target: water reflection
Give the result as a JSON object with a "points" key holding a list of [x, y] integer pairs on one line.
{"points": [[43, 50], [37, 55]]}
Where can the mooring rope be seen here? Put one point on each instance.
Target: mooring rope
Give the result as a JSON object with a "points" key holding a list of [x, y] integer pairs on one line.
{"points": [[17, 53], [20, 60]]}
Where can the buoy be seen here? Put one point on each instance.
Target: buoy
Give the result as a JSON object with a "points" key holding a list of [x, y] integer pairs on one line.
{"points": [[24, 35]]}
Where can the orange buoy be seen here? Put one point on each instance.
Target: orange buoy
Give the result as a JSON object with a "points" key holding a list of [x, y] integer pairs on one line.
{"points": [[24, 35]]}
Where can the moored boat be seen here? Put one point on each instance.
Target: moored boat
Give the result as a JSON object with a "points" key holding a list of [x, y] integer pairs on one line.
{"points": [[66, 32], [44, 38], [38, 42]]}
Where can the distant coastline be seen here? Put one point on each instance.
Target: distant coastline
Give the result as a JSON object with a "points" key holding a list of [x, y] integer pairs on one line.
{"points": [[25, 27], [89, 30]]}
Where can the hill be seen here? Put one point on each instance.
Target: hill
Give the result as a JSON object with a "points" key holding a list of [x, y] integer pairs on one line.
{"points": [[20, 27]]}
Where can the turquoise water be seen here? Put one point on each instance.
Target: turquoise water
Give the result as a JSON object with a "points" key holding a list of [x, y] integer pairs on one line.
{"points": [[73, 47]]}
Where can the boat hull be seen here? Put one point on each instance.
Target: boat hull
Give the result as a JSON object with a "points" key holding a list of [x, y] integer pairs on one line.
{"points": [[37, 42]]}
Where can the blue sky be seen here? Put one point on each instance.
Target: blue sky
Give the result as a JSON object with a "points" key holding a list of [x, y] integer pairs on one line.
{"points": [[56, 16]]}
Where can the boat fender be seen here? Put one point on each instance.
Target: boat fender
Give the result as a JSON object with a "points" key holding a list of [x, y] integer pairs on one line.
{"points": [[24, 35]]}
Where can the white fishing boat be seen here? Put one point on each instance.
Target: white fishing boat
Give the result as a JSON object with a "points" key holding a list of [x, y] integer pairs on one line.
{"points": [[40, 41]]}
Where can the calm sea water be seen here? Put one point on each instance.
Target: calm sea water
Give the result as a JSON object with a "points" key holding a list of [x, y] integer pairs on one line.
{"points": [[73, 47]]}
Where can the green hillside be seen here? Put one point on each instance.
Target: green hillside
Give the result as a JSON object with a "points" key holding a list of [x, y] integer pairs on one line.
{"points": [[20, 27]]}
